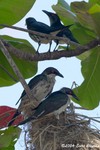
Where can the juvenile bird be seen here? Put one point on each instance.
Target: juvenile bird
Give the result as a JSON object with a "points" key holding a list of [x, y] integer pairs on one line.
{"points": [[41, 86], [64, 31], [55, 103], [34, 25]]}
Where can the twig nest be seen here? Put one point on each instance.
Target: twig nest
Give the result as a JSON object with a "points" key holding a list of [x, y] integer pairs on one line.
{"points": [[70, 132]]}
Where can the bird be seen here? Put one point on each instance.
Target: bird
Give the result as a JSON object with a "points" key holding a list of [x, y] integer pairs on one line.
{"points": [[41, 86], [64, 31], [55, 103], [34, 25]]}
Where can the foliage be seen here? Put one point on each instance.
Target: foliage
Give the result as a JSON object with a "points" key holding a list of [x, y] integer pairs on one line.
{"points": [[28, 69], [85, 16]]}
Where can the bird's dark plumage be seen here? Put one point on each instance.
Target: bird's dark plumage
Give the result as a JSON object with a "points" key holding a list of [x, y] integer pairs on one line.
{"points": [[55, 103], [41, 86], [56, 24], [34, 25]]}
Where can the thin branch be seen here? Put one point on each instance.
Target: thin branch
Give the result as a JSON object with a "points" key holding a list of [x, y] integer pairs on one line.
{"points": [[51, 55], [90, 118], [16, 70], [49, 36]]}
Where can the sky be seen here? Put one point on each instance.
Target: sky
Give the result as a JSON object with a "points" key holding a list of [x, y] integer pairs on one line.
{"points": [[10, 95]]}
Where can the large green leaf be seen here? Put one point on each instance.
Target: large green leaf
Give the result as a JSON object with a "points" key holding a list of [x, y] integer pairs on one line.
{"points": [[94, 11], [27, 68], [92, 2], [63, 10], [88, 15], [11, 11], [8, 137], [89, 91], [82, 34], [84, 18]]}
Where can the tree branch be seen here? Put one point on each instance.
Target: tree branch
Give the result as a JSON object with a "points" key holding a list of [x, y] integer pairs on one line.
{"points": [[49, 36], [16, 70], [51, 55]]}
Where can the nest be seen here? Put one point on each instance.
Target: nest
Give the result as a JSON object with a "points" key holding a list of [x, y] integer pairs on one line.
{"points": [[70, 132]]}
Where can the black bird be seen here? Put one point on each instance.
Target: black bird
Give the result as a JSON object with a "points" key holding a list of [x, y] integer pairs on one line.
{"points": [[34, 25], [41, 86], [56, 24], [55, 103]]}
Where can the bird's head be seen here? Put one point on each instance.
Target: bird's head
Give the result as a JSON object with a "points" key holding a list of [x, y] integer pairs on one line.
{"points": [[54, 18], [69, 92], [29, 21], [52, 71]]}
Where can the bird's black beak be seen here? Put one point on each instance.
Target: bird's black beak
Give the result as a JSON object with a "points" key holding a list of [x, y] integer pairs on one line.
{"points": [[60, 75], [74, 96], [46, 12]]}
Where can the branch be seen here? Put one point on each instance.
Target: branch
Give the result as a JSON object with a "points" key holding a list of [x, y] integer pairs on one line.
{"points": [[49, 36], [16, 70], [51, 55], [90, 118]]}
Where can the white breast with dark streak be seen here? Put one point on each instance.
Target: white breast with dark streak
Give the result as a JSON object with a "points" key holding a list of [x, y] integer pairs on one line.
{"points": [[40, 39], [61, 109], [40, 91], [43, 88]]}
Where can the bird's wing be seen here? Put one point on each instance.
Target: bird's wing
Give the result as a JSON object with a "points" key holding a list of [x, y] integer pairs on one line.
{"points": [[39, 27], [17, 113], [50, 104], [33, 82]]}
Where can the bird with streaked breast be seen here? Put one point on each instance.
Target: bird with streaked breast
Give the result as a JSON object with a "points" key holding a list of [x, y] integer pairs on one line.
{"points": [[41, 86], [64, 31], [55, 103], [34, 25]]}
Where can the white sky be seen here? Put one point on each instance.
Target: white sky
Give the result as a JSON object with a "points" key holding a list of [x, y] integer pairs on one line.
{"points": [[69, 67]]}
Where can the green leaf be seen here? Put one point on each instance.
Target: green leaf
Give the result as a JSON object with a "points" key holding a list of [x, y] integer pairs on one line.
{"points": [[82, 34], [8, 137], [27, 68], [63, 10], [89, 91], [12, 11], [84, 18], [88, 16], [64, 4], [95, 14], [92, 2]]}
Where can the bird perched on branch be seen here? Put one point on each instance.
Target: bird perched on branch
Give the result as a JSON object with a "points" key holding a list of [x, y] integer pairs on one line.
{"points": [[55, 103], [41, 86], [64, 31], [34, 25]]}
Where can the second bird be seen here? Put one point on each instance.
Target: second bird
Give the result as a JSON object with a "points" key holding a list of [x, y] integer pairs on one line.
{"points": [[34, 25], [64, 31], [55, 103], [41, 86]]}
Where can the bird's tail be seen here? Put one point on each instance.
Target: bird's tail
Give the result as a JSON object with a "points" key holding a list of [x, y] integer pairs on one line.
{"points": [[17, 113], [26, 120]]}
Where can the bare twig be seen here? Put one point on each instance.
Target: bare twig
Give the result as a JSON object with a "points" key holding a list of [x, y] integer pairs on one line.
{"points": [[90, 118], [16, 70], [53, 55], [49, 36]]}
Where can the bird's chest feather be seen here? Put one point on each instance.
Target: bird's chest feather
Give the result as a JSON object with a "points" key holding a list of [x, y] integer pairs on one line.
{"points": [[39, 39], [43, 88]]}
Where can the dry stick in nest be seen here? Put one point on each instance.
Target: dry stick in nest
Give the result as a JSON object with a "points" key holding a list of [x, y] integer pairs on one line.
{"points": [[79, 133]]}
